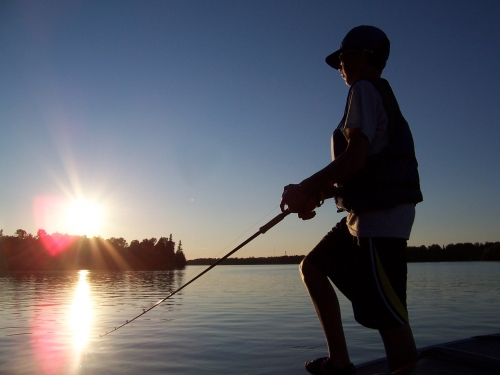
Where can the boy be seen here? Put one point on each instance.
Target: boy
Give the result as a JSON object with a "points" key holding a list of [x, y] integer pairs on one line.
{"points": [[374, 178]]}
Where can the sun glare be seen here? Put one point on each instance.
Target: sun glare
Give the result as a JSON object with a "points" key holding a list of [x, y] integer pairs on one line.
{"points": [[83, 218], [81, 312]]}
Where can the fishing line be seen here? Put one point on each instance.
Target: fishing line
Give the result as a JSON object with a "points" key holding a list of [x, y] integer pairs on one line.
{"points": [[242, 234], [192, 271], [261, 230]]}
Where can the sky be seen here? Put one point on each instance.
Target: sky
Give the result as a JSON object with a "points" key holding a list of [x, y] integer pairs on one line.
{"points": [[189, 117]]}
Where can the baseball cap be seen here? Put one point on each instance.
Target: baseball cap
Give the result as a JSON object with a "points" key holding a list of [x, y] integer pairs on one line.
{"points": [[368, 37]]}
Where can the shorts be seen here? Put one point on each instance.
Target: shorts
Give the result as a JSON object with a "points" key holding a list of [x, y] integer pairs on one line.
{"points": [[370, 272]]}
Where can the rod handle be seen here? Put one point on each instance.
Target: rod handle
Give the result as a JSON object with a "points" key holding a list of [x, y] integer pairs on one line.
{"points": [[263, 229]]}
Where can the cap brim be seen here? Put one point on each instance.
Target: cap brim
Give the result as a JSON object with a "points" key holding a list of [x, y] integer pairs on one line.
{"points": [[333, 59]]}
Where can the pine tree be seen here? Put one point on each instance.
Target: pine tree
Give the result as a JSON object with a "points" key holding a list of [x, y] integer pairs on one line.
{"points": [[180, 259]]}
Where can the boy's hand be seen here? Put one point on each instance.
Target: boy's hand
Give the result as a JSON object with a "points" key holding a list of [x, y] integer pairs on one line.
{"points": [[298, 201], [307, 211]]}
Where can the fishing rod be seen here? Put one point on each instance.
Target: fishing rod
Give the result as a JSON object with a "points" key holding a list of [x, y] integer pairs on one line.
{"points": [[261, 230]]}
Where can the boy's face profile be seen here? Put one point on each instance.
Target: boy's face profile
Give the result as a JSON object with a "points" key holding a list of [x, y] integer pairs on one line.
{"points": [[354, 66]]}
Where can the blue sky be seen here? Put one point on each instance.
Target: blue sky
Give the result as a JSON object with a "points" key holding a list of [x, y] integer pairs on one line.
{"points": [[189, 117]]}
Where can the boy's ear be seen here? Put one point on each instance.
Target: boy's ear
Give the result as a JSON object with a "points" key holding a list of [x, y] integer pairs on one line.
{"points": [[378, 58]]}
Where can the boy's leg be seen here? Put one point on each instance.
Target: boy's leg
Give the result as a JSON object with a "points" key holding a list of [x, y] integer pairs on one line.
{"points": [[398, 339], [327, 307], [399, 346]]}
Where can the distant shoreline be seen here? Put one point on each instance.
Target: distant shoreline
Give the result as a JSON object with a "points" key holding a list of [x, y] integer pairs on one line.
{"points": [[247, 262], [58, 252], [461, 252], [293, 259]]}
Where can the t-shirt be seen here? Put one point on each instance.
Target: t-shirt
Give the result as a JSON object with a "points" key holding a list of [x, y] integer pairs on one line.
{"points": [[366, 111]]}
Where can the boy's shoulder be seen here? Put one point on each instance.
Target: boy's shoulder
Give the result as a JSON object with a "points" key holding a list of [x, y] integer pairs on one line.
{"points": [[371, 82], [374, 85], [365, 87]]}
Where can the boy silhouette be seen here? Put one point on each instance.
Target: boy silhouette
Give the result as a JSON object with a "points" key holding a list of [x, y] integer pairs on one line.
{"points": [[373, 177]]}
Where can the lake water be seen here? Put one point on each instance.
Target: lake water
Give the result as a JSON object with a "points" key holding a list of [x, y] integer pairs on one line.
{"points": [[233, 320]]}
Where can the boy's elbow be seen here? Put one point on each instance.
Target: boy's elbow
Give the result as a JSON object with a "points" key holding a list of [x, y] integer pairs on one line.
{"points": [[358, 150], [360, 164]]}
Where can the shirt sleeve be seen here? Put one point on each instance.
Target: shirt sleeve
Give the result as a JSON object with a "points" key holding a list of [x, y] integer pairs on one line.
{"points": [[363, 111]]}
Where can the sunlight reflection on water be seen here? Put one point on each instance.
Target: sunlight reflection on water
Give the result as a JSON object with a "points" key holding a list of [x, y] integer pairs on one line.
{"points": [[81, 312], [47, 318]]}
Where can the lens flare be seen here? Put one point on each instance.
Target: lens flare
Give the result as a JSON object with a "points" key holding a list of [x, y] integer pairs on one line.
{"points": [[73, 216]]}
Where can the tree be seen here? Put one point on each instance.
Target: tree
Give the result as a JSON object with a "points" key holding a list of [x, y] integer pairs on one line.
{"points": [[162, 244], [21, 234], [165, 248], [148, 245], [118, 243], [492, 252], [135, 246], [180, 258]]}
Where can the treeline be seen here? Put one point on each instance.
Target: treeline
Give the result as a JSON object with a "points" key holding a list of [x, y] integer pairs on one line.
{"points": [[294, 259], [460, 252], [44, 252]]}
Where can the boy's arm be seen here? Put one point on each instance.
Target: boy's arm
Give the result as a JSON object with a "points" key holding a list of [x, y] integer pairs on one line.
{"points": [[305, 197], [351, 161]]}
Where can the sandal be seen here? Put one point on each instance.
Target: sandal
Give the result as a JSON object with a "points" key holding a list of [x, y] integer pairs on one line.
{"points": [[323, 366]]}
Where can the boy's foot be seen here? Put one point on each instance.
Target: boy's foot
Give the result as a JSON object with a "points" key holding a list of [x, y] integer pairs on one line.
{"points": [[323, 366]]}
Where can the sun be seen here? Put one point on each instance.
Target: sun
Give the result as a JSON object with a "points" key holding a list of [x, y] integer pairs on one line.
{"points": [[83, 218]]}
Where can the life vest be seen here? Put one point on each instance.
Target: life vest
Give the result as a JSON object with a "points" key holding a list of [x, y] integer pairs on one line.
{"points": [[390, 177]]}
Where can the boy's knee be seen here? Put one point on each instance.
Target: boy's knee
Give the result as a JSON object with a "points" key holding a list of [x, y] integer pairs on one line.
{"points": [[303, 267], [308, 269]]}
